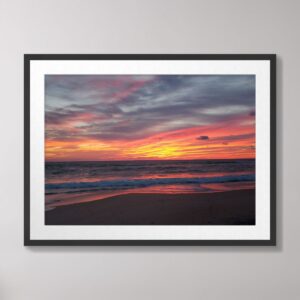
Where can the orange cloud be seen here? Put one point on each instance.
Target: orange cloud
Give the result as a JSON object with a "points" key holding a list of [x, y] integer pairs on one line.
{"points": [[227, 140]]}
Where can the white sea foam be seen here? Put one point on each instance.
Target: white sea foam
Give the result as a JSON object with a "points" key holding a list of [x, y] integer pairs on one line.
{"points": [[138, 183]]}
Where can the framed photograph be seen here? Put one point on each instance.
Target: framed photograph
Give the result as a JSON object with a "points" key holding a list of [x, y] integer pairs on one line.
{"points": [[150, 149]]}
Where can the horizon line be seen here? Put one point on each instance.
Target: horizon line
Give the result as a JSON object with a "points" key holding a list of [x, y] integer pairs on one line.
{"points": [[132, 160]]}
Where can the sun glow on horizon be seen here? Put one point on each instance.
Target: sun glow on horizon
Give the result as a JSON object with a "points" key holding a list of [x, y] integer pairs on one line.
{"points": [[98, 118]]}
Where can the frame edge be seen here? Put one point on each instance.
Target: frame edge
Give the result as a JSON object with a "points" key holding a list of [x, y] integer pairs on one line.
{"points": [[26, 150], [29, 242]]}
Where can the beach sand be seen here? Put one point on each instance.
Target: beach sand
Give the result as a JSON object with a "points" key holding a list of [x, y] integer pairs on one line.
{"points": [[219, 208]]}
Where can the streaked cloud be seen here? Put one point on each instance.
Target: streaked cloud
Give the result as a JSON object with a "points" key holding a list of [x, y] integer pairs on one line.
{"points": [[137, 110]]}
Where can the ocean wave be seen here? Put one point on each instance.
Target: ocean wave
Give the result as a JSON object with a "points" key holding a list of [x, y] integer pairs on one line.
{"points": [[74, 171], [139, 183]]}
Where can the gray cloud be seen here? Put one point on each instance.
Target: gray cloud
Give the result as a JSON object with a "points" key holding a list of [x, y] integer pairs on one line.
{"points": [[203, 138], [130, 107]]}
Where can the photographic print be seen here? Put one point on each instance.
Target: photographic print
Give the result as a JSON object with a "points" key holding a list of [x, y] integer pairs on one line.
{"points": [[150, 150], [171, 152]]}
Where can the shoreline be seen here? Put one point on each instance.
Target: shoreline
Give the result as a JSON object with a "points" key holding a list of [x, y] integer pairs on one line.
{"points": [[235, 207]]}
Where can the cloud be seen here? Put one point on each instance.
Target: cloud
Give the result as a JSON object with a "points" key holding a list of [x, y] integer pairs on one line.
{"points": [[227, 139], [130, 107], [203, 138], [238, 137]]}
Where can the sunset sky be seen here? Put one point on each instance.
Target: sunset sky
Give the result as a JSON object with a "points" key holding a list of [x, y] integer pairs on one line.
{"points": [[130, 117]]}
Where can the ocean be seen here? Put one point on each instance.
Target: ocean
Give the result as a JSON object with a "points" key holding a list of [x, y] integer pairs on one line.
{"points": [[74, 182]]}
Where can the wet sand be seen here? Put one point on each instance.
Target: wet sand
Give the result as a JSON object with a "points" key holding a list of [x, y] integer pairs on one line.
{"points": [[219, 208]]}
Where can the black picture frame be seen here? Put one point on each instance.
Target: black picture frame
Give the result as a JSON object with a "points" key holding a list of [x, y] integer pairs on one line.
{"points": [[31, 57]]}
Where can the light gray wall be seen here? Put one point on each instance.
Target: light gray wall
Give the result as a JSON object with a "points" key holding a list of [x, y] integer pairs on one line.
{"points": [[143, 26]]}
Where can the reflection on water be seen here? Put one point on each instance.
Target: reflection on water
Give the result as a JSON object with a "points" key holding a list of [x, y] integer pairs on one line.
{"points": [[74, 182]]}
